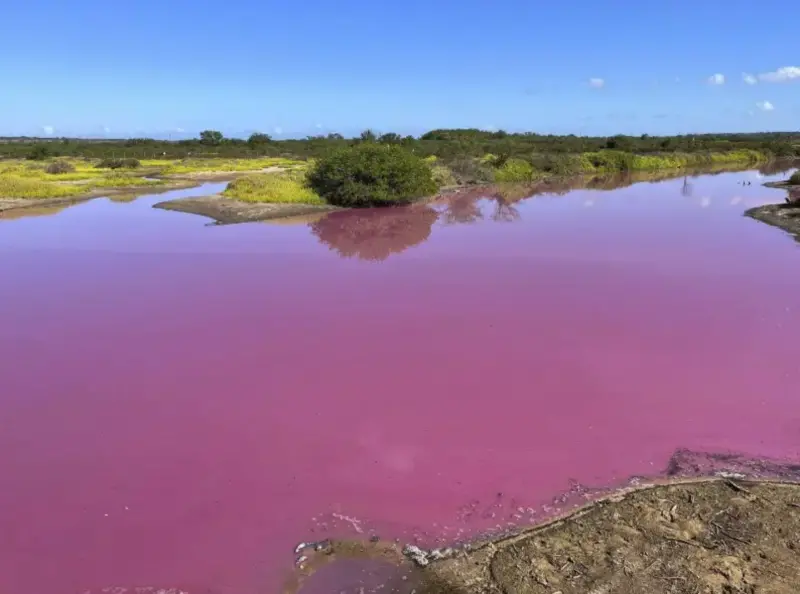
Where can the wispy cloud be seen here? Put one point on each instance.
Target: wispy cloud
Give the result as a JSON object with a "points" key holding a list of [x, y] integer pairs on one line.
{"points": [[179, 130], [597, 83], [749, 79], [765, 106], [716, 79], [784, 74], [277, 130], [106, 130], [49, 130]]}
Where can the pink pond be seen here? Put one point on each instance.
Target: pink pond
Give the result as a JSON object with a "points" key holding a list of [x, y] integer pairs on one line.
{"points": [[182, 403]]}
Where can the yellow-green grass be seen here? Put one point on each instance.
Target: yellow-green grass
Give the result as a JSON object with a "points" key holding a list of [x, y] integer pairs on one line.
{"points": [[121, 180], [173, 167], [24, 179], [13, 186], [272, 188]]}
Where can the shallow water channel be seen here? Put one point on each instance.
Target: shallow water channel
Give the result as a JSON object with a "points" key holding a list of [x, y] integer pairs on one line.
{"points": [[181, 403]]}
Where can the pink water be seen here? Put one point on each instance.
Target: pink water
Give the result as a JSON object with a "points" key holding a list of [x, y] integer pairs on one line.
{"points": [[180, 403]]}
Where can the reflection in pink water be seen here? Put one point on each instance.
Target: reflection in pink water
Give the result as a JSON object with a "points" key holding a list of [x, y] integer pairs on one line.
{"points": [[180, 404]]}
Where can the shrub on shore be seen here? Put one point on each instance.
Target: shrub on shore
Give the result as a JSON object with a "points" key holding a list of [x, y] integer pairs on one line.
{"points": [[273, 188], [514, 170], [59, 168], [371, 174], [795, 179], [127, 163]]}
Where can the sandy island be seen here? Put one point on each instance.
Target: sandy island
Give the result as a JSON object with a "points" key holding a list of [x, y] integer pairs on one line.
{"points": [[227, 211], [709, 535]]}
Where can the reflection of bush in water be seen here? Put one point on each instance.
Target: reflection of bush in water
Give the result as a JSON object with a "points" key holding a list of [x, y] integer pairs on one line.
{"points": [[375, 234]]}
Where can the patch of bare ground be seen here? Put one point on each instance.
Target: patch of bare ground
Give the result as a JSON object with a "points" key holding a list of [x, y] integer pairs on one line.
{"points": [[688, 536], [228, 211]]}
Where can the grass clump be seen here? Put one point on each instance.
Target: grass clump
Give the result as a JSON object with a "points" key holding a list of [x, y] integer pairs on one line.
{"points": [[127, 163], [371, 174], [59, 167], [273, 188]]}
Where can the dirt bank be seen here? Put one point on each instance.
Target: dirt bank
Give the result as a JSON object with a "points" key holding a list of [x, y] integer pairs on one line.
{"points": [[716, 536], [8, 204], [784, 216], [227, 211]]}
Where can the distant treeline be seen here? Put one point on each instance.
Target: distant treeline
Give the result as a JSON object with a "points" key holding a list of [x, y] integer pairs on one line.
{"points": [[445, 144]]}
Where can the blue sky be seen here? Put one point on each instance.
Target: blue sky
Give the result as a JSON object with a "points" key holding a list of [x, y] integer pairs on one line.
{"points": [[292, 68]]}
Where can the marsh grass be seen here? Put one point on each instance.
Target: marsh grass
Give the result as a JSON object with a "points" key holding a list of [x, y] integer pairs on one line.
{"points": [[12, 186], [206, 165], [20, 179], [273, 188]]}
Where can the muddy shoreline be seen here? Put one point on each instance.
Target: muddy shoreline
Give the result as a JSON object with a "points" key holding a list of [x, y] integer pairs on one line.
{"points": [[715, 535]]}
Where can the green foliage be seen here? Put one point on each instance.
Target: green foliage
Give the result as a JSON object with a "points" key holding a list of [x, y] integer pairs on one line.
{"points": [[371, 174], [368, 136], [514, 170], [259, 139], [795, 179], [59, 167], [127, 163], [272, 187], [39, 152], [442, 176], [211, 137]]}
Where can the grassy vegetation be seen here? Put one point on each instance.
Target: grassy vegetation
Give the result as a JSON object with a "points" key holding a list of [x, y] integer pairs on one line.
{"points": [[795, 179], [274, 188], [20, 187], [62, 178], [199, 165]]}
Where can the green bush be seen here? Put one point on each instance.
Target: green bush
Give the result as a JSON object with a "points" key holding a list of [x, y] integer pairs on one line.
{"points": [[59, 167], [39, 152], [514, 170], [118, 164], [371, 174], [795, 179]]}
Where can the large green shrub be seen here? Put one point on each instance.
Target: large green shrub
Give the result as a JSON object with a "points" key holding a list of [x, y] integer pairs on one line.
{"points": [[795, 179], [128, 163], [371, 174]]}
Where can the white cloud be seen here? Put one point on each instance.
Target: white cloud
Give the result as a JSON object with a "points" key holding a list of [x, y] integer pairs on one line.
{"points": [[278, 130], [179, 130], [749, 79], [781, 74], [716, 79], [318, 126], [49, 130], [597, 83], [106, 129], [765, 106]]}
